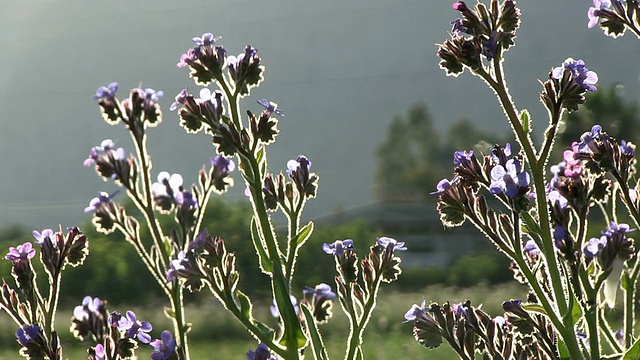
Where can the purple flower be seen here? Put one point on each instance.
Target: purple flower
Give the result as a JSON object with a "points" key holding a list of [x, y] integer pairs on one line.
{"points": [[262, 353], [274, 308], [168, 186], [222, 165], [509, 178], [458, 28], [587, 140], [462, 157], [153, 95], [395, 245], [627, 148], [593, 12], [415, 311], [443, 185], [531, 247], [100, 352], [270, 107], [97, 202], [490, 47], [615, 229], [105, 148], [181, 98], [206, 39], [21, 252], [198, 241], [556, 198], [89, 306], [40, 237], [135, 328], [581, 75], [27, 333], [594, 245], [321, 290], [106, 92], [176, 265], [164, 347], [338, 247], [300, 162]]}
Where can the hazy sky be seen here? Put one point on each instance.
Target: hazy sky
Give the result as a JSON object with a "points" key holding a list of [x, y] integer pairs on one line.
{"points": [[339, 69]]}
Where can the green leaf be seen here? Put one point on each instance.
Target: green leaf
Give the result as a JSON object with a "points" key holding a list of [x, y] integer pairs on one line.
{"points": [[169, 313], [626, 282], [535, 308], [576, 310], [245, 305], [292, 333], [265, 264], [531, 223], [525, 120], [317, 346], [633, 353], [563, 350], [303, 235]]}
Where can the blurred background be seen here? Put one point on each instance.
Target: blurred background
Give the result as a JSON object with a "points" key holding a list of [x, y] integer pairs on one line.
{"points": [[364, 100]]}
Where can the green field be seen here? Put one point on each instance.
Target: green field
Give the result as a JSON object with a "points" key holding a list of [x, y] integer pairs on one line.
{"points": [[216, 335]]}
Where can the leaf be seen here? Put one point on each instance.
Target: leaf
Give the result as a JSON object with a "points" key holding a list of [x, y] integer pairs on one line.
{"points": [[633, 353], [563, 350], [626, 282], [245, 305], [265, 264], [531, 223], [169, 313], [535, 308], [292, 334], [303, 235], [317, 346], [576, 310], [525, 120]]}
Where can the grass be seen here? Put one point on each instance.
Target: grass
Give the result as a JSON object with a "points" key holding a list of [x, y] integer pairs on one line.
{"points": [[217, 335]]}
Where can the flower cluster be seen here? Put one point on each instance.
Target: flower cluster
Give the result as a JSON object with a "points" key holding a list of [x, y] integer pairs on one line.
{"points": [[479, 33]]}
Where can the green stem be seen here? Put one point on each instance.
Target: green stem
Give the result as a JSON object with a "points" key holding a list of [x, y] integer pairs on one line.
{"points": [[606, 329], [179, 323], [537, 169], [355, 335]]}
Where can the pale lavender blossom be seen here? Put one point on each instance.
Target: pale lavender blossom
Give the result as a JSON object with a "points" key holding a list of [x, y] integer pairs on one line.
{"points": [[164, 347], [21, 252], [106, 92], [338, 247], [387, 242], [135, 328]]}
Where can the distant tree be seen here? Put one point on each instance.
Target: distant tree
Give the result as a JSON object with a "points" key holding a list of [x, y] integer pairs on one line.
{"points": [[606, 107], [412, 159], [409, 160]]}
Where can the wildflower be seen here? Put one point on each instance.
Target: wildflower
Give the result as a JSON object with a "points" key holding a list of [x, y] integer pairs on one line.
{"points": [[207, 39], [489, 47], [167, 189], [270, 107], [594, 11], [181, 98], [581, 75], [387, 242], [97, 202], [594, 245], [531, 248], [509, 179], [21, 252], [299, 171], [222, 167], [321, 290], [106, 92], [338, 247], [415, 311], [89, 306], [152, 95], [176, 265], [442, 186], [40, 237], [274, 308], [100, 353], [262, 353], [164, 347], [27, 333], [458, 27], [135, 328]]}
